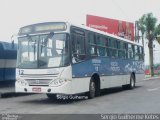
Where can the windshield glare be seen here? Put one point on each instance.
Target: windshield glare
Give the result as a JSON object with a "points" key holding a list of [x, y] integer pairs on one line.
{"points": [[43, 51]]}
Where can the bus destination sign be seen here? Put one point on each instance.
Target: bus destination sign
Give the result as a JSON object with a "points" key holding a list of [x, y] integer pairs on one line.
{"points": [[43, 27]]}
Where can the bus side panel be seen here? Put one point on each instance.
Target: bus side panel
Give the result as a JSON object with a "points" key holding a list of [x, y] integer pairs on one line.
{"points": [[113, 81], [105, 82], [80, 85], [1, 74], [81, 76], [8, 56], [2, 64], [112, 72], [9, 71], [9, 74]]}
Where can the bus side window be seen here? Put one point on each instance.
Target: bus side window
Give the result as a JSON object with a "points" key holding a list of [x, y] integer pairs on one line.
{"points": [[92, 44], [121, 52], [130, 51], [101, 45], [78, 48], [136, 52], [114, 48], [92, 50], [125, 48], [107, 49]]}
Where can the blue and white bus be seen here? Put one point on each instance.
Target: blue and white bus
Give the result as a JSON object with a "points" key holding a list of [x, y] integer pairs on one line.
{"points": [[63, 58], [8, 58]]}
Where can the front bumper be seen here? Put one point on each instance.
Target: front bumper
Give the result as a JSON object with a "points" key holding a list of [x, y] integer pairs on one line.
{"points": [[63, 89]]}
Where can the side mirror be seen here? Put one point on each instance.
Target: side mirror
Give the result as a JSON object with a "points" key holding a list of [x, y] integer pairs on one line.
{"points": [[13, 40], [12, 44]]}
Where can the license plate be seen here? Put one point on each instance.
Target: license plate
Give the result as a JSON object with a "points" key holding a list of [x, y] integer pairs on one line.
{"points": [[36, 89]]}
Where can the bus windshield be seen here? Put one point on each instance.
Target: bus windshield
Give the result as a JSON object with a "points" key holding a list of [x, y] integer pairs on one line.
{"points": [[43, 51]]}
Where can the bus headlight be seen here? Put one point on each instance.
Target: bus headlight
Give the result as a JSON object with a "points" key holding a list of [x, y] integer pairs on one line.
{"points": [[58, 82], [21, 81]]}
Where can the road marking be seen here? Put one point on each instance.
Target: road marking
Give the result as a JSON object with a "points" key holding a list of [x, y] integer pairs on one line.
{"points": [[151, 78], [153, 89]]}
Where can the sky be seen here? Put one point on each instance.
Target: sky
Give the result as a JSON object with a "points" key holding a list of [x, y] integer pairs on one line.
{"points": [[17, 13]]}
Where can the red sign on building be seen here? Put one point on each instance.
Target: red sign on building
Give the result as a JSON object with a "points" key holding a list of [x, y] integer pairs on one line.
{"points": [[117, 27]]}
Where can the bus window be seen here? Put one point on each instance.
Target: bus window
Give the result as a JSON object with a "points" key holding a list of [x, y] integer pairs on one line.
{"points": [[92, 44], [114, 48], [106, 42], [136, 52], [125, 48], [115, 44], [100, 41], [114, 53], [108, 45], [121, 45], [78, 48], [130, 51], [92, 50], [121, 50], [120, 54], [100, 45], [91, 39], [107, 52], [101, 51]]}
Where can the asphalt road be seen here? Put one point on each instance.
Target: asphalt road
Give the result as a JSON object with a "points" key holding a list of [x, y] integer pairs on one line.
{"points": [[145, 98]]}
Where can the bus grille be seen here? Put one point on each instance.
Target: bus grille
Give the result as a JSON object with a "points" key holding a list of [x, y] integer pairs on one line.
{"points": [[38, 82]]}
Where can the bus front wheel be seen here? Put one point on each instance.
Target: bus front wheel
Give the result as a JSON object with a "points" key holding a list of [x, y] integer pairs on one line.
{"points": [[52, 96], [92, 89]]}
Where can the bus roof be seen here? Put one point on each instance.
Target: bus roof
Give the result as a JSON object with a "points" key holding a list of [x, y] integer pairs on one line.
{"points": [[104, 33], [61, 26]]}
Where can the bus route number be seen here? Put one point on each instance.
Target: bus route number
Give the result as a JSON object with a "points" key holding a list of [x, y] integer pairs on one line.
{"points": [[21, 72]]}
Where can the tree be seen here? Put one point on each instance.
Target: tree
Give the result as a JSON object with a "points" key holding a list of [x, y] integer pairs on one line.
{"points": [[157, 33], [149, 23], [141, 27]]}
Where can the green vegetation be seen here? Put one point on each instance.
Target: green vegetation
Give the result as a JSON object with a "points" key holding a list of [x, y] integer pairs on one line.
{"points": [[147, 26]]}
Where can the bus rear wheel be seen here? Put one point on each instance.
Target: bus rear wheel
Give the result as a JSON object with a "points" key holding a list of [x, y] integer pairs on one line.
{"points": [[132, 82], [131, 85]]}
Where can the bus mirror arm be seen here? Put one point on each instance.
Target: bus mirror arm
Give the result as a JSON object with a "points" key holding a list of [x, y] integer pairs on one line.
{"points": [[12, 41], [12, 44]]}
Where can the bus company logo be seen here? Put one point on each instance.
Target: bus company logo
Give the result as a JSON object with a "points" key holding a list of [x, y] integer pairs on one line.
{"points": [[114, 66], [139, 66], [128, 68], [96, 61], [37, 81]]}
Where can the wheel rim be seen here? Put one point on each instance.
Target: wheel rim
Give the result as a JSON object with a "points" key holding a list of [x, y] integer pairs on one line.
{"points": [[92, 89], [132, 82]]}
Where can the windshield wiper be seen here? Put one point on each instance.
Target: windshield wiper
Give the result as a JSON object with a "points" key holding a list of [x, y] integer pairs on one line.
{"points": [[29, 37], [50, 35], [42, 63]]}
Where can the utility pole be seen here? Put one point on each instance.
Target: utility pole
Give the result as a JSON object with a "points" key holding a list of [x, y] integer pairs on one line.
{"points": [[137, 32]]}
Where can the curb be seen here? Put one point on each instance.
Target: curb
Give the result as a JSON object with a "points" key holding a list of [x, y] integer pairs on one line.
{"points": [[12, 94], [152, 78], [7, 94]]}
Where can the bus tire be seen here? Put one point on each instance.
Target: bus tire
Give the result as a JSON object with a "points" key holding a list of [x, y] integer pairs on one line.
{"points": [[131, 85], [52, 96], [125, 87], [92, 89], [132, 82]]}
